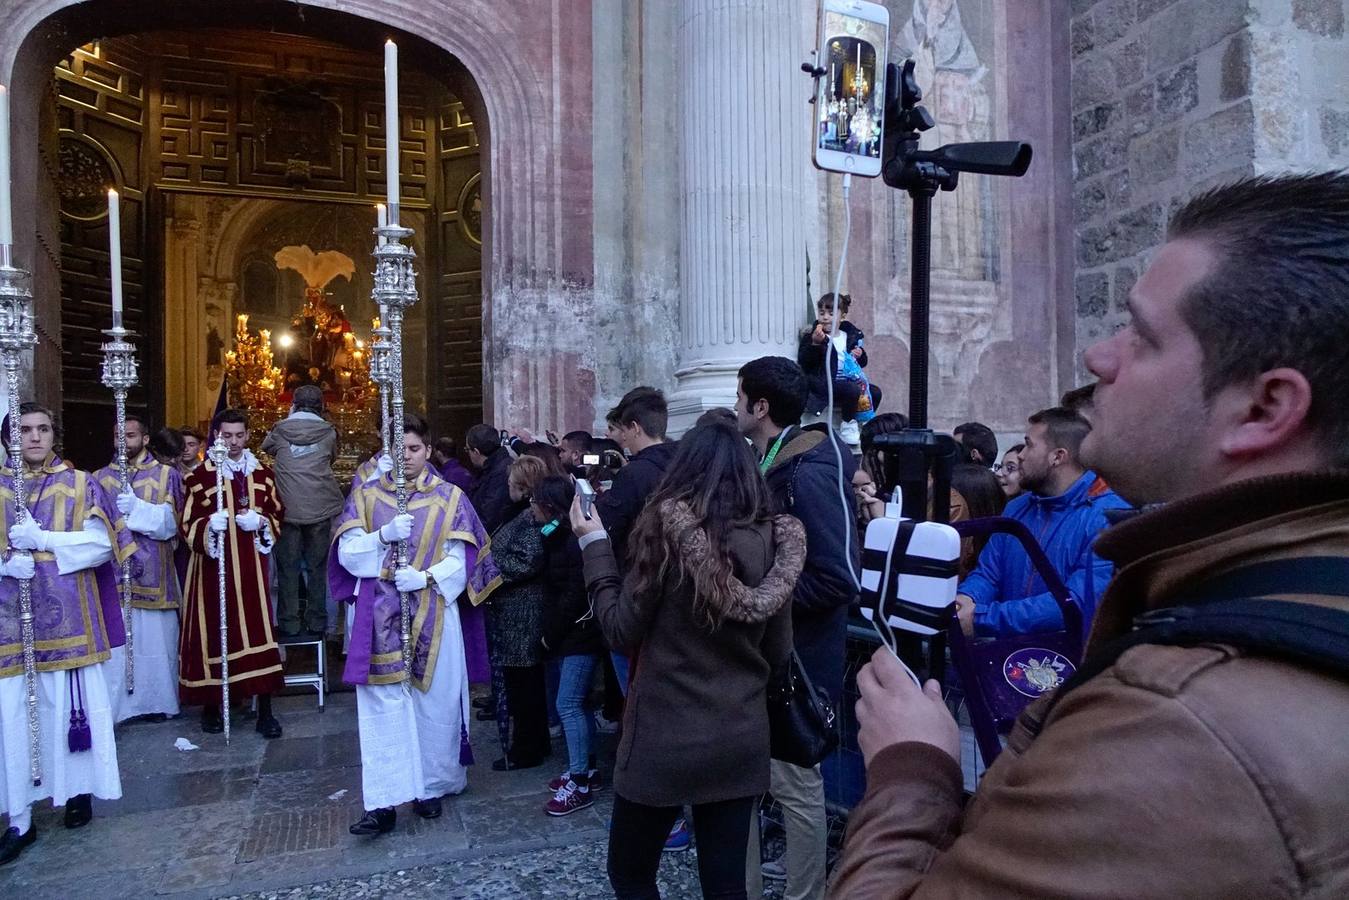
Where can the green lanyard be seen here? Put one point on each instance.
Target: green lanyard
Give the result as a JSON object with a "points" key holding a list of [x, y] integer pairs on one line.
{"points": [[767, 461]]}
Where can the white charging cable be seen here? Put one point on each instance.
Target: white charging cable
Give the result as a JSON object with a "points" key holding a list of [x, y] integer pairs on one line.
{"points": [[830, 356]]}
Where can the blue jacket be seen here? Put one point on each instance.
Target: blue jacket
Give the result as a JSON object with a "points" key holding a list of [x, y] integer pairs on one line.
{"points": [[1009, 596]]}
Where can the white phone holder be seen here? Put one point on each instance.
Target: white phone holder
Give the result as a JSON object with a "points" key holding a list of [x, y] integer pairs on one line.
{"points": [[910, 572]]}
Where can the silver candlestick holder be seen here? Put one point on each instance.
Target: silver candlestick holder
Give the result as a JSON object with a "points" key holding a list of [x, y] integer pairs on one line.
{"points": [[17, 336], [379, 374], [396, 291], [119, 376]]}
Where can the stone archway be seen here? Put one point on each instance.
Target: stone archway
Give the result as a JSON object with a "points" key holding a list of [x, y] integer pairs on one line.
{"points": [[536, 183]]}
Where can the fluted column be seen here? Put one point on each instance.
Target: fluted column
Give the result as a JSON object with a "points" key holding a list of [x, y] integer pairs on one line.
{"points": [[745, 150]]}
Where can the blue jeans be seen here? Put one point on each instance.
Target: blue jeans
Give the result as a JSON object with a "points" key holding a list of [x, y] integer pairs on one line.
{"points": [[620, 670], [577, 725]]}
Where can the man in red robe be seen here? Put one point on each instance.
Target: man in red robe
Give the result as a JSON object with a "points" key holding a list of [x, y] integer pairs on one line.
{"points": [[249, 524]]}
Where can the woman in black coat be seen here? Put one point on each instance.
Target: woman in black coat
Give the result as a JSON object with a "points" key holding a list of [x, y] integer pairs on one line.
{"points": [[706, 615]]}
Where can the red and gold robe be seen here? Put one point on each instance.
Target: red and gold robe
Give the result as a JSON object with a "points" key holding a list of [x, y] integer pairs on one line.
{"points": [[255, 662]]}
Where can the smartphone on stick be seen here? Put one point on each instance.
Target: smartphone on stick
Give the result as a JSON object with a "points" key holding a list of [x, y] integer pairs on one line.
{"points": [[850, 103], [587, 494]]}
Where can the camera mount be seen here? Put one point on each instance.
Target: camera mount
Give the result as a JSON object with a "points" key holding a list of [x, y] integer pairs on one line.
{"points": [[917, 457]]}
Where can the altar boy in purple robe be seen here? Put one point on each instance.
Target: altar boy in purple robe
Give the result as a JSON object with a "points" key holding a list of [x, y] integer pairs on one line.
{"points": [[150, 507], [73, 543], [414, 730]]}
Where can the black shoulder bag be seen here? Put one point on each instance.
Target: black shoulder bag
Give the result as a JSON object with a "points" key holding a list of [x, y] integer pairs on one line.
{"points": [[802, 725]]}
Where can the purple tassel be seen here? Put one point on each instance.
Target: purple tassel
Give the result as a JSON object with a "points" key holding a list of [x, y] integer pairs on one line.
{"points": [[465, 748], [80, 738]]}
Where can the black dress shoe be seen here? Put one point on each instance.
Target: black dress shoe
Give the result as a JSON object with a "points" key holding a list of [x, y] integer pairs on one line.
{"points": [[487, 714], [12, 843], [485, 702], [79, 810], [427, 809], [211, 722], [269, 727], [510, 763], [376, 821]]}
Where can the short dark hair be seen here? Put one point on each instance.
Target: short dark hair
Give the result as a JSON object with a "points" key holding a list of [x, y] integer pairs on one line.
{"points": [[167, 443], [447, 447], [191, 433], [483, 438], [779, 381], [229, 417], [415, 424], [578, 437], [827, 302], [28, 407], [1079, 398], [1066, 429], [1015, 448], [554, 494], [977, 436], [308, 398], [141, 420], [1279, 294], [716, 414], [644, 406]]}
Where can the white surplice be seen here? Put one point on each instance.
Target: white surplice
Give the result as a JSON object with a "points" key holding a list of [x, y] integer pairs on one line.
{"points": [[64, 774], [410, 740]]}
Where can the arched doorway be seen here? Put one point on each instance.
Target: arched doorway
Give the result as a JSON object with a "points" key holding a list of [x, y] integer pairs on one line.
{"points": [[227, 145]]}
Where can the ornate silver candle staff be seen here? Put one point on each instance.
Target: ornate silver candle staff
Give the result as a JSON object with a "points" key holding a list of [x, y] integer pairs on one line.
{"points": [[218, 453], [17, 335], [395, 291], [379, 373], [119, 374]]}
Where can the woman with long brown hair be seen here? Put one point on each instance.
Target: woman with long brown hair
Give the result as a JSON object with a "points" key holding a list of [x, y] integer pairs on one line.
{"points": [[705, 614]]}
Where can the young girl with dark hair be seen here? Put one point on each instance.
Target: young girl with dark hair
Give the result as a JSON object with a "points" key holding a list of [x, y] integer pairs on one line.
{"points": [[706, 615]]}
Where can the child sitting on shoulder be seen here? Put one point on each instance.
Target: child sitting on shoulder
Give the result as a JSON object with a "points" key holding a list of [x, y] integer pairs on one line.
{"points": [[856, 396]]}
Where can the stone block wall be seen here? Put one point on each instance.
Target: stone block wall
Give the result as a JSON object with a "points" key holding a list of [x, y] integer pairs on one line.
{"points": [[1170, 97]]}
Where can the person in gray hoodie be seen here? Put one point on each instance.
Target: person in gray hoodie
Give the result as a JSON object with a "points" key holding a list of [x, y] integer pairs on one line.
{"points": [[304, 446]]}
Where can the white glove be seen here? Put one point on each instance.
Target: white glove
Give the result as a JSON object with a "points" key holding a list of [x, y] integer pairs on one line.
{"points": [[28, 535], [20, 566], [399, 528], [126, 502], [385, 463], [220, 521], [249, 520], [409, 580]]}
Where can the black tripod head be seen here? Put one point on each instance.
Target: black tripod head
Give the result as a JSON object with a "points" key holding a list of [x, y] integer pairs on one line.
{"points": [[907, 168]]}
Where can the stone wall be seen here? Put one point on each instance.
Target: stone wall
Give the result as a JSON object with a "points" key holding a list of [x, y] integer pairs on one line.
{"points": [[1172, 96]]}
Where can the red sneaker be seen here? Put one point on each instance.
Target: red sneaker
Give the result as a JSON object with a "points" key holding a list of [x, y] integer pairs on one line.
{"points": [[570, 798]]}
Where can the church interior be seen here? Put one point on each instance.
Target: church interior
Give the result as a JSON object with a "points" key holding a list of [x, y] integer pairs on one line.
{"points": [[249, 164]]}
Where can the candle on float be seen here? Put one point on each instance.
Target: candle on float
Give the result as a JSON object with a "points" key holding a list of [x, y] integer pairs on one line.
{"points": [[115, 254], [6, 220], [383, 214], [391, 130]]}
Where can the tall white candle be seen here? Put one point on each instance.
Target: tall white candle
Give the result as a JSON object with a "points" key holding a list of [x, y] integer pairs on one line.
{"points": [[6, 217], [382, 212], [115, 254], [391, 130]]}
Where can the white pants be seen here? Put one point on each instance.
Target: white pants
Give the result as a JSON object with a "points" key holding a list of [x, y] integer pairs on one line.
{"points": [[155, 638], [64, 774], [410, 740]]}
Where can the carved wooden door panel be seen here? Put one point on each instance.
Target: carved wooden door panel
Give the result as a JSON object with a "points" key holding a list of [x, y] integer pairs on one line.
{"points": [[100, 101]]}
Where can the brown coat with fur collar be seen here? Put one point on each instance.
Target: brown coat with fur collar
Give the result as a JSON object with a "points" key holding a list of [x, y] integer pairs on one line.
{"points": [[695, 725]]}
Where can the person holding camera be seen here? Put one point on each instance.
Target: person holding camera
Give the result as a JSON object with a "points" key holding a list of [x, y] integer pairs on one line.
{"points": [[706, 611], [1199, 749]]}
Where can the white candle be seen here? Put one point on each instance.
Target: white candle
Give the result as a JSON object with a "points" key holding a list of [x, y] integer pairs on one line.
{"points": [[6, 221], [383, 215], [391, 130], [115, 254]]}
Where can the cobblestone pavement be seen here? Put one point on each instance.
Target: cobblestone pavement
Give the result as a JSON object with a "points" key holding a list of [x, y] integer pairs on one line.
{"points": [[269, 819]]}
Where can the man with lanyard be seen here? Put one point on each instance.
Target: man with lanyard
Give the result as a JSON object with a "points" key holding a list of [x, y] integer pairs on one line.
{"points": [[413, 725], [149, 506], [801, 467], [72, 544], [247, 527]]}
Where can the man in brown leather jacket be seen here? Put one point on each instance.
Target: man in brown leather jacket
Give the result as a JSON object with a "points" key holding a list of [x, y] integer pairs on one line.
{"points": [[1177, 772]]}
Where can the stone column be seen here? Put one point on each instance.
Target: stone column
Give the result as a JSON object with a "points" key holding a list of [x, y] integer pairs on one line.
{"points": [[746, 147], [184, 363]]}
